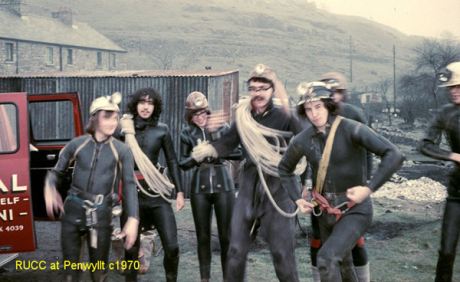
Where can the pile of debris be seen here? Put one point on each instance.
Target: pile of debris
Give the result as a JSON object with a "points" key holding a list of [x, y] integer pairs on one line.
{"points": [[423, 189]]}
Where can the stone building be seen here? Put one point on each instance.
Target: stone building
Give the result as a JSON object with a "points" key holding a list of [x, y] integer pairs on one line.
{"points": [[31, 43]]}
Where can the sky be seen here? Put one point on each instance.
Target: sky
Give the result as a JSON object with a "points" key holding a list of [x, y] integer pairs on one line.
{"points": [[430, 18]]}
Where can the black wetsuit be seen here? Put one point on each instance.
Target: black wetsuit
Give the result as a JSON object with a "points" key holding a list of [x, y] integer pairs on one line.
{"points": [[253, 208], [153, 137], [347, 168], [212, 187], [98, 167], [446, 121], [359, 252]]}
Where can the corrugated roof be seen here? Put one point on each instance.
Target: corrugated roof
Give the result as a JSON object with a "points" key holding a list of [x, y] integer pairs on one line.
{"points": [[123, 73], [53, 31]]}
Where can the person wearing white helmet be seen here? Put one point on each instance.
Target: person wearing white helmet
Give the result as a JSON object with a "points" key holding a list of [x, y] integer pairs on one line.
{"points": [[99, 162], [336, 149], [447, 121], [212, 186], [337, 82], [263, 128]]}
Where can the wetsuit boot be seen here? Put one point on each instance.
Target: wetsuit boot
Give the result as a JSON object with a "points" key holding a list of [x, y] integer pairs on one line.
{"points": [[445, 267]]}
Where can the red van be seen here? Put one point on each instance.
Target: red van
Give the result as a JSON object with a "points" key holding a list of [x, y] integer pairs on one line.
{"points": [[33, 129]]}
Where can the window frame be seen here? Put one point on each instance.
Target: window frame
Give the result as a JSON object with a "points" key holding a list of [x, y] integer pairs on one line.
{"points": [[70, 56], [16, 112], [9, 52], [113, 60], [49, 55], [99, 58]]}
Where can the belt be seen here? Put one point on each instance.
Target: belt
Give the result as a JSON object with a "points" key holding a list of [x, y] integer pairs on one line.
{"points": [[95, 198], [323, 203]]}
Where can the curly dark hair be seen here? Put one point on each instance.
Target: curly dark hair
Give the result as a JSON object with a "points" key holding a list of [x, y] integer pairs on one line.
{"points": [[331, 106], [152, 94]]}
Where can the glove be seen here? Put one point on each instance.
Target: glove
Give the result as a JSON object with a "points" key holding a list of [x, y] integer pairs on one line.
{"points": [[127, 124], [53, 200], [129, 232], [203, 150]]}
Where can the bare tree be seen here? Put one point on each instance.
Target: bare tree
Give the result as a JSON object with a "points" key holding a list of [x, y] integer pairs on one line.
{"points": [[382, 87], [416, 101], [163, 53]]}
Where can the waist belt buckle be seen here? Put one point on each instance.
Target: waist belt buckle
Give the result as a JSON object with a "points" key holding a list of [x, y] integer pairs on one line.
{"points": [[98, 199]]}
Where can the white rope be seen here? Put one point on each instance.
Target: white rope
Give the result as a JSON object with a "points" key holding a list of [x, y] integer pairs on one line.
{"points": [[266, 156], [156, 181], [270, 197]]}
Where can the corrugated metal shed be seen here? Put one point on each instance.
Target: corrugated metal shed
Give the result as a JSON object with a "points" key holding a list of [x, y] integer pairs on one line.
{"points": [[221, 88]]}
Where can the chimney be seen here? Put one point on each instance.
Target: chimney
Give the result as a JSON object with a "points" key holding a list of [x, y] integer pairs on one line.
{"points": [[64, 15], [12, 6]]}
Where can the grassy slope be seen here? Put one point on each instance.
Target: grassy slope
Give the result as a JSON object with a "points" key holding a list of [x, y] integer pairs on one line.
{"points": [[294, 37]]}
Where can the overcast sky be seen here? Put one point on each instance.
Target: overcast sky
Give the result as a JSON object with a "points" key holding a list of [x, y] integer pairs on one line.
{"points": [[414, 17]]}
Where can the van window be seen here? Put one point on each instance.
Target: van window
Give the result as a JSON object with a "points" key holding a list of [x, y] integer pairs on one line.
{"points": [[51, 120], [8, 128]]}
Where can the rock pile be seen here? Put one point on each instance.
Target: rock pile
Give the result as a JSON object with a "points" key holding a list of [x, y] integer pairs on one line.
{"points": [[423, 189]]}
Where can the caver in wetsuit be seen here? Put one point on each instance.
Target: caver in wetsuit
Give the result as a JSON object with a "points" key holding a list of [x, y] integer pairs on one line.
{"points": [[152, 137], [346, 169], [448, 121], [359, 252], [98, 166], [253, 206], [212, 186]]}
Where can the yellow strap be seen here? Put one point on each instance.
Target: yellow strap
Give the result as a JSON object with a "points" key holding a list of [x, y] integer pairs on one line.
{"points": [[324, 162]]}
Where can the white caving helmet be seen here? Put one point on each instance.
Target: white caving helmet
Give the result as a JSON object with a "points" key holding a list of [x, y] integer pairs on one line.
{"points": [[106, 103], [450, 75]]}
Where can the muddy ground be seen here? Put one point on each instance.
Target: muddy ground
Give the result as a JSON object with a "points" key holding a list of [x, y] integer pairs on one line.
{"points": [[402, 243]]}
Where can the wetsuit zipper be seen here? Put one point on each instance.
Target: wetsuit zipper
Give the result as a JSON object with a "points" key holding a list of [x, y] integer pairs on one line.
{"points": [[211, 168], [93, 165]]}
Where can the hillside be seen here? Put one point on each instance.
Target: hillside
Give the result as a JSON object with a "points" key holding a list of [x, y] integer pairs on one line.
{"points": [[294, 37]]}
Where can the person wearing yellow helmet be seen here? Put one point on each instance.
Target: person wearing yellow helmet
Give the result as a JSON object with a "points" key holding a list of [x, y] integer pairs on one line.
{"points": [[263, 126], [99, 162], [447, 121]]}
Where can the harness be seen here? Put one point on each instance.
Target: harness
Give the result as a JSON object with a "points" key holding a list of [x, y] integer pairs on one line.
{"points": [[92, 202], [319, 200]]}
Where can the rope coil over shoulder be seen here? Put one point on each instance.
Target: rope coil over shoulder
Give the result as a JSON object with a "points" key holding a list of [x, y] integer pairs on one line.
{"points": [[156, 181], [266, 156]]}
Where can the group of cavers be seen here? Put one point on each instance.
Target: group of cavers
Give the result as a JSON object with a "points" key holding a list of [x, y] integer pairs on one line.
{"points": [[313, 158]]}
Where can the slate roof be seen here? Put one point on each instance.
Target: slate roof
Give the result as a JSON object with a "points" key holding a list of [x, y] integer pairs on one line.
{"points": [[123, 73], [52, 31]]}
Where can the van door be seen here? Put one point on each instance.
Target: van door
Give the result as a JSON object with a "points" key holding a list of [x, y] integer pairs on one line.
{"points": [[16, 218], [54, 119]]}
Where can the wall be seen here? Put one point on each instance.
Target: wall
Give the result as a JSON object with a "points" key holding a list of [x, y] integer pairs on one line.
{"points": [[32, 57]]}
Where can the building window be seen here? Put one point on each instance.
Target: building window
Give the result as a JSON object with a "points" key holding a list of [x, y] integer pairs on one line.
{"points": [[99, 58], [69, 56], [50, 56], [113, 60], [9, 56]]}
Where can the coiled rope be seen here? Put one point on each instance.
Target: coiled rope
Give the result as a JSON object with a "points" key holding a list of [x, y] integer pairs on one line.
{"points": [[266, 156], [156, 181]]}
